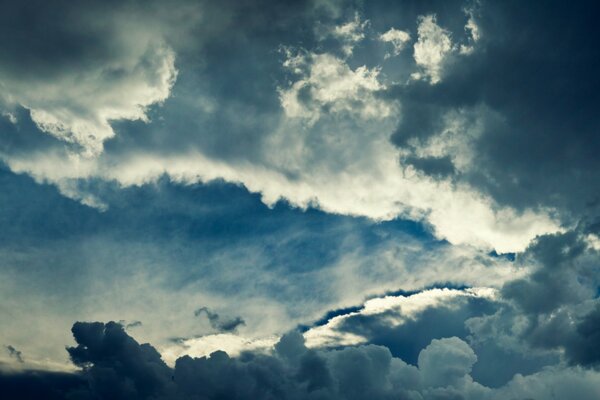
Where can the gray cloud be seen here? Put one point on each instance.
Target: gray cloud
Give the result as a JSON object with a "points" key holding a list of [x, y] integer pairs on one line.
{"points": [[278, 107], [531, 88], [115, 366], [218, 323], [77, 68], [16, 354], [554, 307]]}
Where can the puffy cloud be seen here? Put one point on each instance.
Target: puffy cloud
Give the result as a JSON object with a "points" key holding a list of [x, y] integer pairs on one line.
{"points": [[474, 33], [350, 34], [489, 150], [116, 366], [431, 49], [215, 245], [445, 362], [327, 84], [397, 38], [550, 314]]}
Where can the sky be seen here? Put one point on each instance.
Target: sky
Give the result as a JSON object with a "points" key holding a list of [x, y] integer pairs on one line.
{"points": [[307, 199]]}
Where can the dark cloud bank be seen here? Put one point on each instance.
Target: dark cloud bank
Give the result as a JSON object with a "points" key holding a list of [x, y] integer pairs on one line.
{"points": [[544, 327], [534, 88]]}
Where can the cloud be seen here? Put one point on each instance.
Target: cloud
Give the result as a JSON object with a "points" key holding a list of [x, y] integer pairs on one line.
{"points": [[388, 314], [216, 322], [132, 324], [215, 245], [115, 366], [536, 159], [327, 84], [490, 145], [445, 362], [397, 38], [311, 127], [551, 312], [350, 34], [16, 354], [85, 68], [431, 49]]}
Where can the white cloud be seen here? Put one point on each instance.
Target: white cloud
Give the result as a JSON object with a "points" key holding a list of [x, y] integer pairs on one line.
{"points": [[10, 117], [315, 158], [395, 311], [328, 84], [230, 343], [397, 38], [474, 33], [431, 49], [350, 34]]}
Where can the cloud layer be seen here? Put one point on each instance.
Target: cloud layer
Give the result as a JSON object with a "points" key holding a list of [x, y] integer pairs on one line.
{"points": [[315, 129]]}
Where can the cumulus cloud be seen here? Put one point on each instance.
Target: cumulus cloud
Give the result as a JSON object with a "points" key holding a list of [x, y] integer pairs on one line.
{"points": [[550, 314], [115, 366], [445, 362], [432, 48], [328, 85], [490, 149], [473, 31]]}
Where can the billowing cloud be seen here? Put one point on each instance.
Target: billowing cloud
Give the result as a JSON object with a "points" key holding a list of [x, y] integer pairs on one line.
{"points": [[115, 366], [431, 49]]}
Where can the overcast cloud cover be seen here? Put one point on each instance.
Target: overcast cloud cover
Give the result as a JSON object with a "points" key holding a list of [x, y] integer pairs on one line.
{"points": [[317, 199]]}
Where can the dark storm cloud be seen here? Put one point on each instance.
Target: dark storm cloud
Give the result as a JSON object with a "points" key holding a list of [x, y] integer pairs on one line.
{"points": [[554, 307], [453, 317], [115, 366], [219, 323], [584, 348], [34, 385], [556, 281], [535, 71]]}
